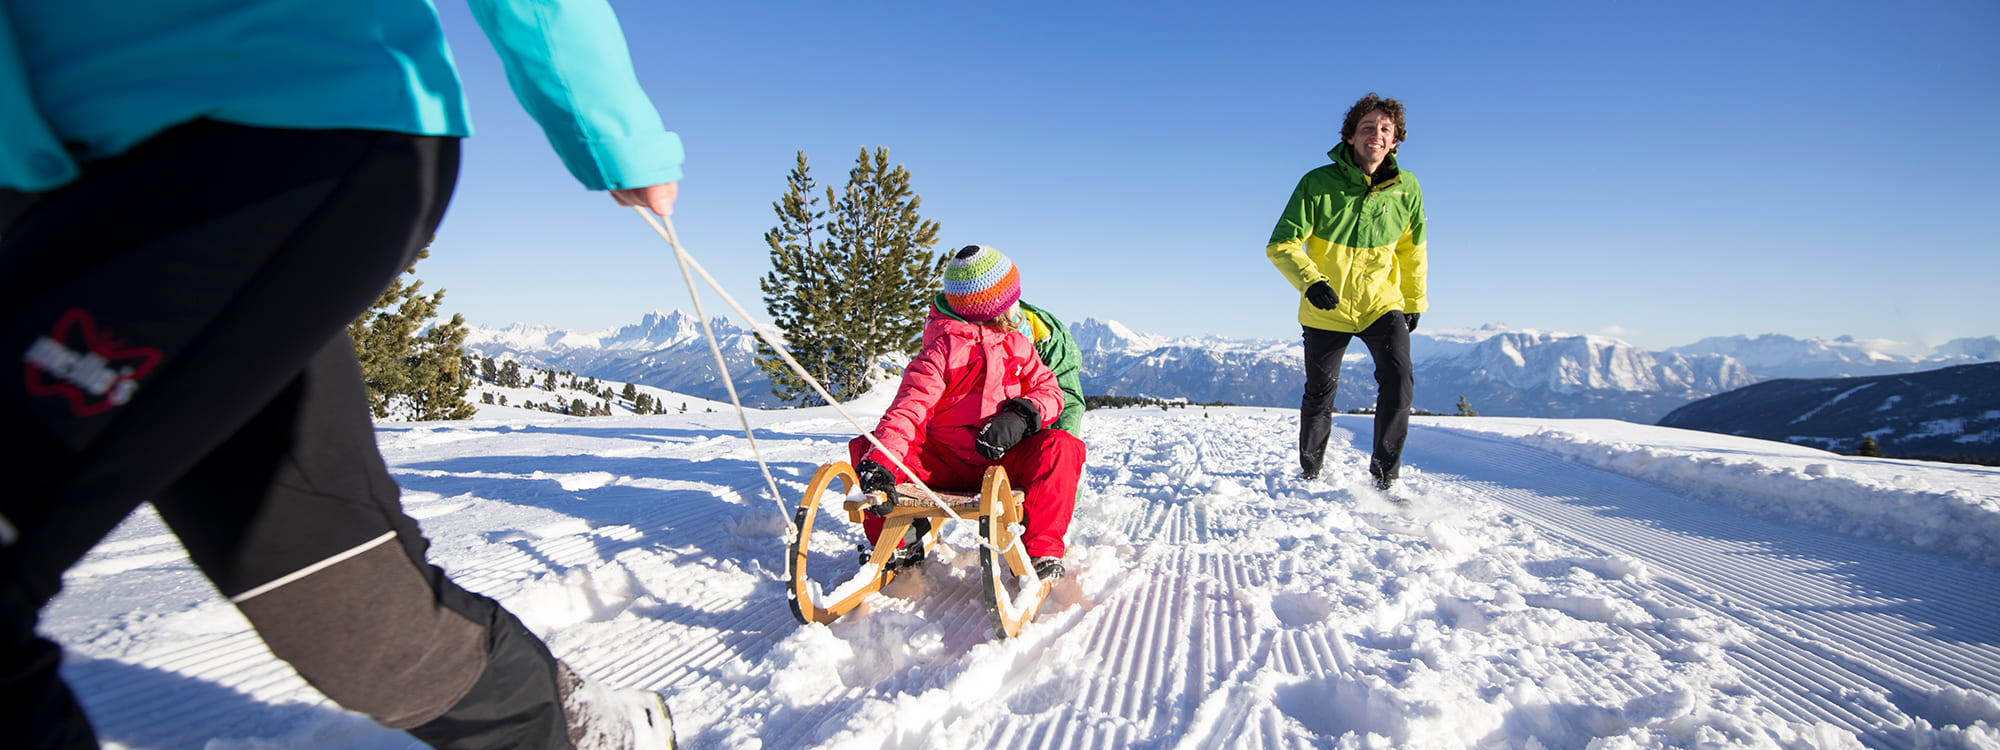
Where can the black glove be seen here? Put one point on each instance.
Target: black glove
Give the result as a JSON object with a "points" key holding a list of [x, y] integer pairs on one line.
{"points": [[875, 477], [1411, 318], [1321, 295], [1018, 418]]}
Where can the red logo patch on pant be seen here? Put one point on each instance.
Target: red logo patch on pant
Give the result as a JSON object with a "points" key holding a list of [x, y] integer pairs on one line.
{"points": [[86, 365]]}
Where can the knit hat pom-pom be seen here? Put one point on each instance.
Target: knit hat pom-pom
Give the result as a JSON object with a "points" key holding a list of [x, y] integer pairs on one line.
{"points": [[980, 283]]}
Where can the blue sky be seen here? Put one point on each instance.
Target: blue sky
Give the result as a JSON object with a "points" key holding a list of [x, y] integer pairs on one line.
{"points": [[1661, 172]]}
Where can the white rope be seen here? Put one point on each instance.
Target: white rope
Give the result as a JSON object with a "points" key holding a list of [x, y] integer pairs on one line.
{"points": [[666, 232], [721, 367]]}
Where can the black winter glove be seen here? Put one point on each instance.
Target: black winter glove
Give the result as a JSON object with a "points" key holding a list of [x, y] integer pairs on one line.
{"points": [[1321, 295], [1411, 318], [875, 477], [1018, 418]]}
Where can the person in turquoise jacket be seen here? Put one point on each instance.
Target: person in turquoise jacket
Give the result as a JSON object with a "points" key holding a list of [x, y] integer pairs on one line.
{"points": [[196, 197]]}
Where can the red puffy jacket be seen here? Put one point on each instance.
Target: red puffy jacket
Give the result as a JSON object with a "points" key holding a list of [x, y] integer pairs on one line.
{"points": [[957, 382]]}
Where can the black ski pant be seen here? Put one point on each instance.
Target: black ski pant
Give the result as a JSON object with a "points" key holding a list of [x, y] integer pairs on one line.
{"points": [[1388, 342], [175, 319]]}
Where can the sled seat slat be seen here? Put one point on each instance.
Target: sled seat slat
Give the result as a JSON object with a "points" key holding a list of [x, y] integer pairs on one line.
{"points": [[911, 496], [908, 493]]}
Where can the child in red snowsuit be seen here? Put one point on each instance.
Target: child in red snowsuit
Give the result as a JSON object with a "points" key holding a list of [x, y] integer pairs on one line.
{"points": [[976, 395]]}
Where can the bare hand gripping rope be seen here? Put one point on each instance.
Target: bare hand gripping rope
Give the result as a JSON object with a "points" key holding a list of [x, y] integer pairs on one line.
{"points": [[666, 232]]}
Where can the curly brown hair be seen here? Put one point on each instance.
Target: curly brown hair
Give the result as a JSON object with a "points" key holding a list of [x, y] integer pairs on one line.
{"points": [[1373, 103]]}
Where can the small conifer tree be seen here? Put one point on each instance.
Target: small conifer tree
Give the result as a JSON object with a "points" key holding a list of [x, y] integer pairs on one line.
{"points": [[849, 287], [411, 371], [1465, 409], [1869, 448]]}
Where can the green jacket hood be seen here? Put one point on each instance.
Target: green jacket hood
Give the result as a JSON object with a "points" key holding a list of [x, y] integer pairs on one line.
{"points": [[1342, 156], [1058, 352], [938, 303]]}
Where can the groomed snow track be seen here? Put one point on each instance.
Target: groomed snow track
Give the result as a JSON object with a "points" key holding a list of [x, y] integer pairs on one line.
{"points": [[1851, 632], [1236, 607]]}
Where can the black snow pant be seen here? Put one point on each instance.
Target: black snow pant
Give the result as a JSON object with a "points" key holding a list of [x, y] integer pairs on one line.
{"points": [[1388, 341], [176, 322]]}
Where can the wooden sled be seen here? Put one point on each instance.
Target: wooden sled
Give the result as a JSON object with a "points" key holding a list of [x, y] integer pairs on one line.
{"points": [[997, 508]]}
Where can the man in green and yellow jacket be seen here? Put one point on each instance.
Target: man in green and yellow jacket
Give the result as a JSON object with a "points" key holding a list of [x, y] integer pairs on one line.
{"points": [[1351, 240]]}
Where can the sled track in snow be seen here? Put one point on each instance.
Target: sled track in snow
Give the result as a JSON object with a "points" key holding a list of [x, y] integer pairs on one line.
{"points": [[1135, 695], [1856, 633]]}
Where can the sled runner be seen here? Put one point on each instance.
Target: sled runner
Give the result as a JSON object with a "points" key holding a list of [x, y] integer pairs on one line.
{"points": [[996, 505]]}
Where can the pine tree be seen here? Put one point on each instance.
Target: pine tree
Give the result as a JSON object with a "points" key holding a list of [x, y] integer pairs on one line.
{"points": [[893, 269], [510, 374], [1465, 409], [849, 287], [438, 390], [419, 376], [800, 281], [487, 371], [1869, 447], [631, 392]]}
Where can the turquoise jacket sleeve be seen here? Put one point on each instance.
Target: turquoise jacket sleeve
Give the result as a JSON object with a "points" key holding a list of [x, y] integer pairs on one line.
{"points": [[32, 158], [568, 63]]}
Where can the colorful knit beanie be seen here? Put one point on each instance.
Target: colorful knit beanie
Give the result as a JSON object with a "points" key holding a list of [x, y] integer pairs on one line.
{"points": [[980, 283]]}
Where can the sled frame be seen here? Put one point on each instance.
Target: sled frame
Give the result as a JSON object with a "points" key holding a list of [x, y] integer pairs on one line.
{"points": [[995, 506]]}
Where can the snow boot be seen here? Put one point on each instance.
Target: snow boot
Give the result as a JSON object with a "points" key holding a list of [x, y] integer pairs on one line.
{"points": [[1048, 568], [906, 556], [601, 718], [911, 553], [1385, 476]]}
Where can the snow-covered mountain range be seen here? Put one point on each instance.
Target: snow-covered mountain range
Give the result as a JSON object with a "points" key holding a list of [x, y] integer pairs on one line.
{"points": [[1499, 371], [1951, 413], [663, 350], [1775, 356]]}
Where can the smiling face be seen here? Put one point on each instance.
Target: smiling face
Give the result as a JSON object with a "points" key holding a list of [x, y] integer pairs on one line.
{"points": [[1374, 137]]}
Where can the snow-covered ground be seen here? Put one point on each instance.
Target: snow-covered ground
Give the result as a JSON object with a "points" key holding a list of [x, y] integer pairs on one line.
{"points": [[1547, 583]]}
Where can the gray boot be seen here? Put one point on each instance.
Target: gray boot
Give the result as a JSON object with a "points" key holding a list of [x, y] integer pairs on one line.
{"points": [[601, 718]]}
